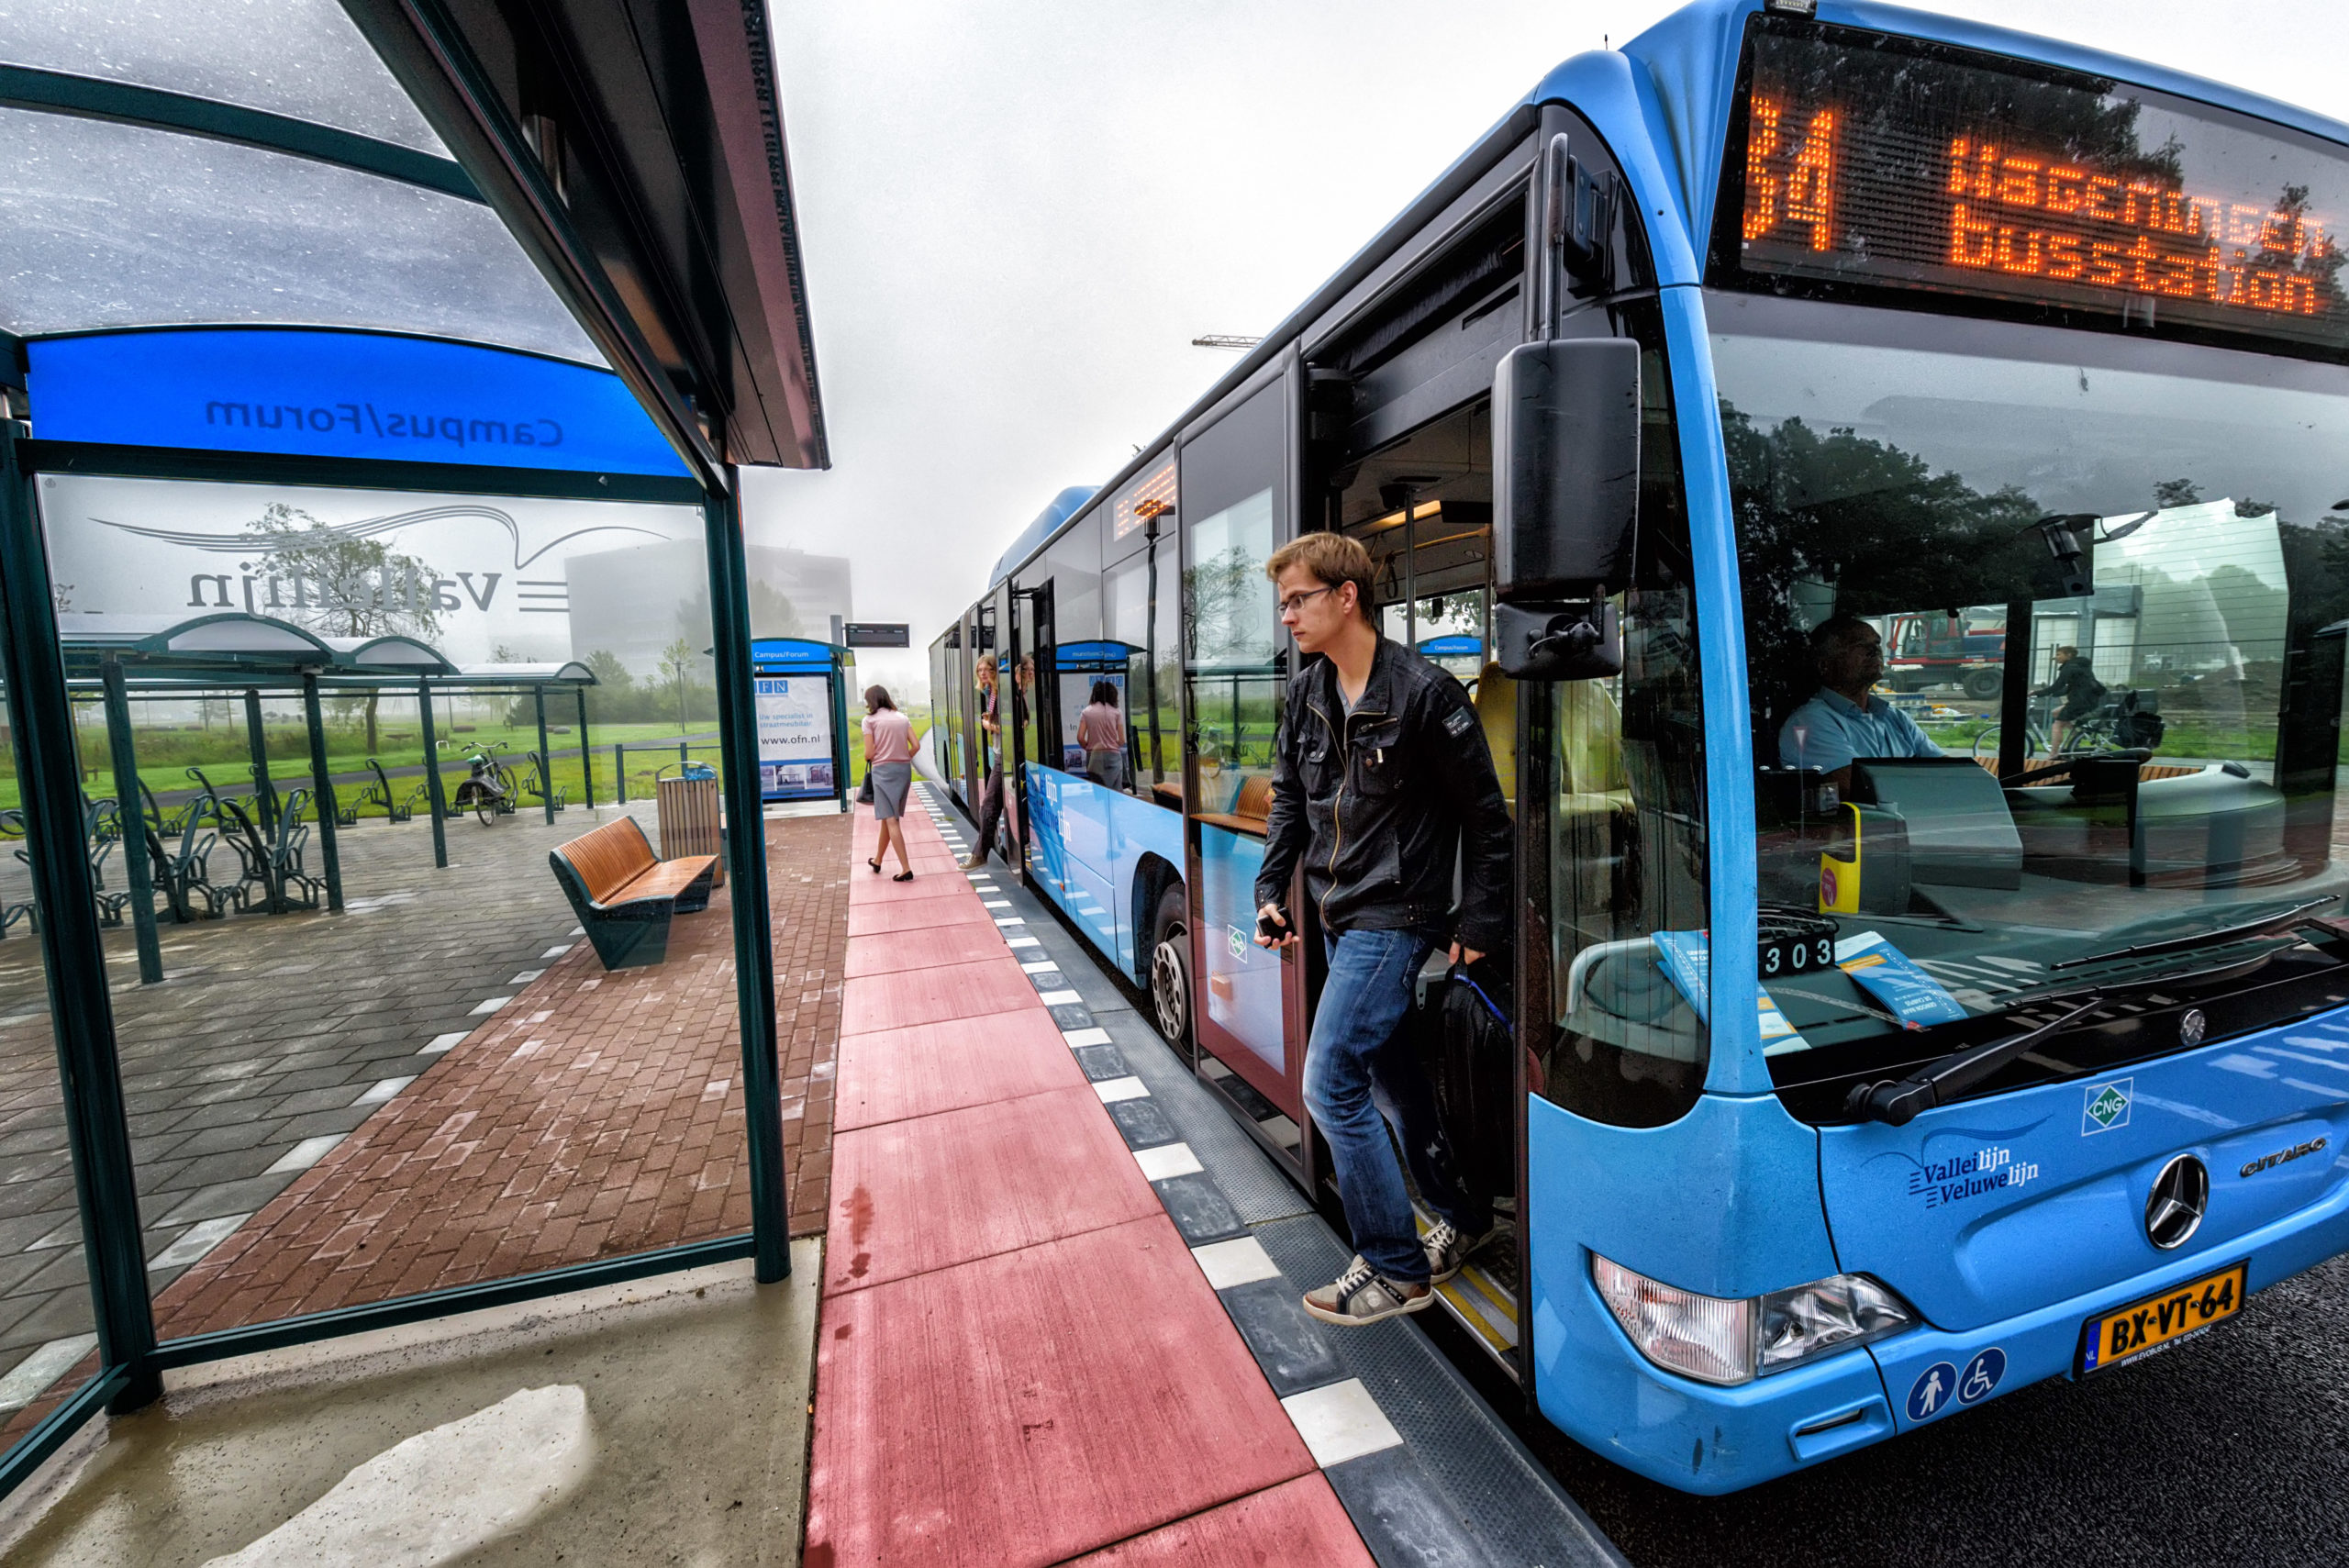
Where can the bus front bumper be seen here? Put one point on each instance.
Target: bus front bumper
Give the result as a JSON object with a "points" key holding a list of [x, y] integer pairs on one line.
{"points": [[1701, 1437]]}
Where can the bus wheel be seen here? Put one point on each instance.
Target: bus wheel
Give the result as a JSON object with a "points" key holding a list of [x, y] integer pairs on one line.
{"points": [[1170, 972]]}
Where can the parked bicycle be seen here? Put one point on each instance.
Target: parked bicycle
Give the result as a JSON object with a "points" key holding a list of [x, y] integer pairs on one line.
{"points": [[489, 791]]}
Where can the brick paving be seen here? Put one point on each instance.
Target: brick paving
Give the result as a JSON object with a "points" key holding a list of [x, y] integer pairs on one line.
{"points": [[592, 1116], [281, 1049]]}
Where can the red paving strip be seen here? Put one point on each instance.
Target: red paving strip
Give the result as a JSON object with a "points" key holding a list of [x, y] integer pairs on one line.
{"points": [[1021, 1410], [1010, 1371], [892, 951], [944, 1066], [874, 919], [935, 1191], [876, 1002], [595, 1114], [1294, 1525]]}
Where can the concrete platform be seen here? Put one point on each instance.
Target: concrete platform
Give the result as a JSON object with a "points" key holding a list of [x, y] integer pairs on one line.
{"points": [[695, 1390]]}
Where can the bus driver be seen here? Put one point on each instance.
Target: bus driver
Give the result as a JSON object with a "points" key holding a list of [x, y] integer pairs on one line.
{"points": [[1845, 718]]}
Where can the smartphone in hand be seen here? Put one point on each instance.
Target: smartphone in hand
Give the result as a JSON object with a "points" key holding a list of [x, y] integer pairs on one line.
{"points": [[1273, 932]]}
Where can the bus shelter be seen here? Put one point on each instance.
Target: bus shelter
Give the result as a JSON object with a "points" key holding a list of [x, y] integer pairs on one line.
{"points": [[802, 689], [157, 657], [397, 288]]}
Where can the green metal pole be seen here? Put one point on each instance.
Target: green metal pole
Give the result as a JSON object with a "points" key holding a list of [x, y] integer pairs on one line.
{"points": [[840, 732], [586, 757], [264, 792], [546, 758], [132, 820], [80, 1011], [619, 770], [746, 851], [132, 817], [432, 803], [322, 791]]}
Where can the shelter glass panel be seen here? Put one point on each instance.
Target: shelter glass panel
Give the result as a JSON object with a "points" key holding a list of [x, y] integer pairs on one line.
{"points": [[321, 69], [254, 237], [48, 1324], [446, 1080]]}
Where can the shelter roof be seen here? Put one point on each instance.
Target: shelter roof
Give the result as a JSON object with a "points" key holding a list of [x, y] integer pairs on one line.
{"points": [[225, 638], [376, 165], [560, 673]]}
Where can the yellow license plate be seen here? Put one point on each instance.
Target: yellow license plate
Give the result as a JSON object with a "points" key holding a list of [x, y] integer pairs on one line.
{"points": [[2143, 1327]]}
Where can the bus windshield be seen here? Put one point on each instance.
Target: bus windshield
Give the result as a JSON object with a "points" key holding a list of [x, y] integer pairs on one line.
{"points": [[2100, 585]]}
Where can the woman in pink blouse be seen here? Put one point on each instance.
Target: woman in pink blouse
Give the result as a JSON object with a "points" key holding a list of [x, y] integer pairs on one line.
{"points": [[889, 765]]}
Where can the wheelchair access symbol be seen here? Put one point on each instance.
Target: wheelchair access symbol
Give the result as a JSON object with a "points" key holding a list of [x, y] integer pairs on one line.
{"points": [[1981, 1375]]}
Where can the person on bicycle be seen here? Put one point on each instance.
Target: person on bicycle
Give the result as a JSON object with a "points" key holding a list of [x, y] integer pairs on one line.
{"points": [[2077, 690], [1845, 718]]}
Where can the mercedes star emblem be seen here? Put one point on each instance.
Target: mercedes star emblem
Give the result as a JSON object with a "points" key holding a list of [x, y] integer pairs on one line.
{"points": [[2180, 1193], [2191, 1027]]}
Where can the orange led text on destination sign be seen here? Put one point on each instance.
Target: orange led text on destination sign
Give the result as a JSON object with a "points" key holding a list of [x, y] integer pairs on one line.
{"points": [[2180, 246]]}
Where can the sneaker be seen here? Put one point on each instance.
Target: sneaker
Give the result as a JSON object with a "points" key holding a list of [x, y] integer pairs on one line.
{"points": [[975, 859], [1447, 1251], [1362, 1295]]}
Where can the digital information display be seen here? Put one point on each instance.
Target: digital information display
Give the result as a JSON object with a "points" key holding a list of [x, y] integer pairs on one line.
{"points": [[1868, 162]]}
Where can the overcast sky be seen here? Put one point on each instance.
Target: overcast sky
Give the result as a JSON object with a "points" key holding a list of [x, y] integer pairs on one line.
{"points": [[1015, 218]]}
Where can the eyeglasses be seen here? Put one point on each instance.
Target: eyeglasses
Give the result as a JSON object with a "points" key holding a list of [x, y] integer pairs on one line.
{"points": [[1296, 601]]}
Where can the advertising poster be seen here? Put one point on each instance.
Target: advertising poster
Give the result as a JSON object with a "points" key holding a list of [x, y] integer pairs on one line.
{"points": [[795, 737]]}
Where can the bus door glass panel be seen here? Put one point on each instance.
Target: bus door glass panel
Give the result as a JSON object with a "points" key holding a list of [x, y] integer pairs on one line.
{"points": [[1126, 625], [1032, 610], [1233, 674], [1620, 765], [1141, 608]]}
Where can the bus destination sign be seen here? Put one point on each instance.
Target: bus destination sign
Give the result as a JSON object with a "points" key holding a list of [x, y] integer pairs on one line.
{"points": [[1866, 164]]}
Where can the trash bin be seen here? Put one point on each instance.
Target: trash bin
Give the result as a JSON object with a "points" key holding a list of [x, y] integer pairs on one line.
{"points": [[689, 821]]}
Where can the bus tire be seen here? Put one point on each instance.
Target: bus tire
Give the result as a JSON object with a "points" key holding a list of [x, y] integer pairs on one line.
{"points": [[1170, 969]]}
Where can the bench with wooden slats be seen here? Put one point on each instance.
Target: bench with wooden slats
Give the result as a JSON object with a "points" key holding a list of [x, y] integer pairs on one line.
{"points": [[1249, 812], [625, 894]]}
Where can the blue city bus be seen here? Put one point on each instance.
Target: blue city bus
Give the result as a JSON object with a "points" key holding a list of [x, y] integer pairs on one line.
{"points": [[1846, 1096]]}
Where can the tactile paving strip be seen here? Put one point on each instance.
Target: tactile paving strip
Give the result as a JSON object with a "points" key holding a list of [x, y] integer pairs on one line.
{"points": [[1257, 1187], [1512, 1503]]}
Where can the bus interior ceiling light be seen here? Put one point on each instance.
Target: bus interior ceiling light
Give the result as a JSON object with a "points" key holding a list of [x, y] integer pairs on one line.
{"points": [[1794, 8], [1730, 1341]]}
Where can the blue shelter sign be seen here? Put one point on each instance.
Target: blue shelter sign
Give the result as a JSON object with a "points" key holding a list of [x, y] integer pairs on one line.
{"points": [[338, 393]]}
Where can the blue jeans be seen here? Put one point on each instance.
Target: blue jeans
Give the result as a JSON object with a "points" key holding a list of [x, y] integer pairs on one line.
{"points": [[1358, 1078]]}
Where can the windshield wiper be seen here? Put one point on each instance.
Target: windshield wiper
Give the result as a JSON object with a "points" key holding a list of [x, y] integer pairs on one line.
{"points": [[2213, 938], [1898, 1101]]}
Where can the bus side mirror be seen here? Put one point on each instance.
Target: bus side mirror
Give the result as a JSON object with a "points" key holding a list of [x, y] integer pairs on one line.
{"points": [[1567, 474]]}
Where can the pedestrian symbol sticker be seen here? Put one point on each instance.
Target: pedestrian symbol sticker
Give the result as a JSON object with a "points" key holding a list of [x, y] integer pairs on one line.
{"points": [[2105, 1106], [1981, 1375], [1932, 1393]]}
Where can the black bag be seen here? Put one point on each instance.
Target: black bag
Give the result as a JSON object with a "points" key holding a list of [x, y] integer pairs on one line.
{"points": [[1468, 1059]]}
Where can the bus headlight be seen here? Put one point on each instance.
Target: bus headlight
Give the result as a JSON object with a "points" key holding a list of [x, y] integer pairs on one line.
{"points": [[1827, 1315], [1726, 1342]]}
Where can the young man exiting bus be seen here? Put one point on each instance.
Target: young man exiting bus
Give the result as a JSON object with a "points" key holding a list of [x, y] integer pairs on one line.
{"points": [[1380, 779]]}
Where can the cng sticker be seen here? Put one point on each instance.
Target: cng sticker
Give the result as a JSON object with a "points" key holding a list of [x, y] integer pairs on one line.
{"points": [[2104, 1106]]}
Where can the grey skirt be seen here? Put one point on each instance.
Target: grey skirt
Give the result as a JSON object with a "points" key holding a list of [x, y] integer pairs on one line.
{"points": [[890, 782]]}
